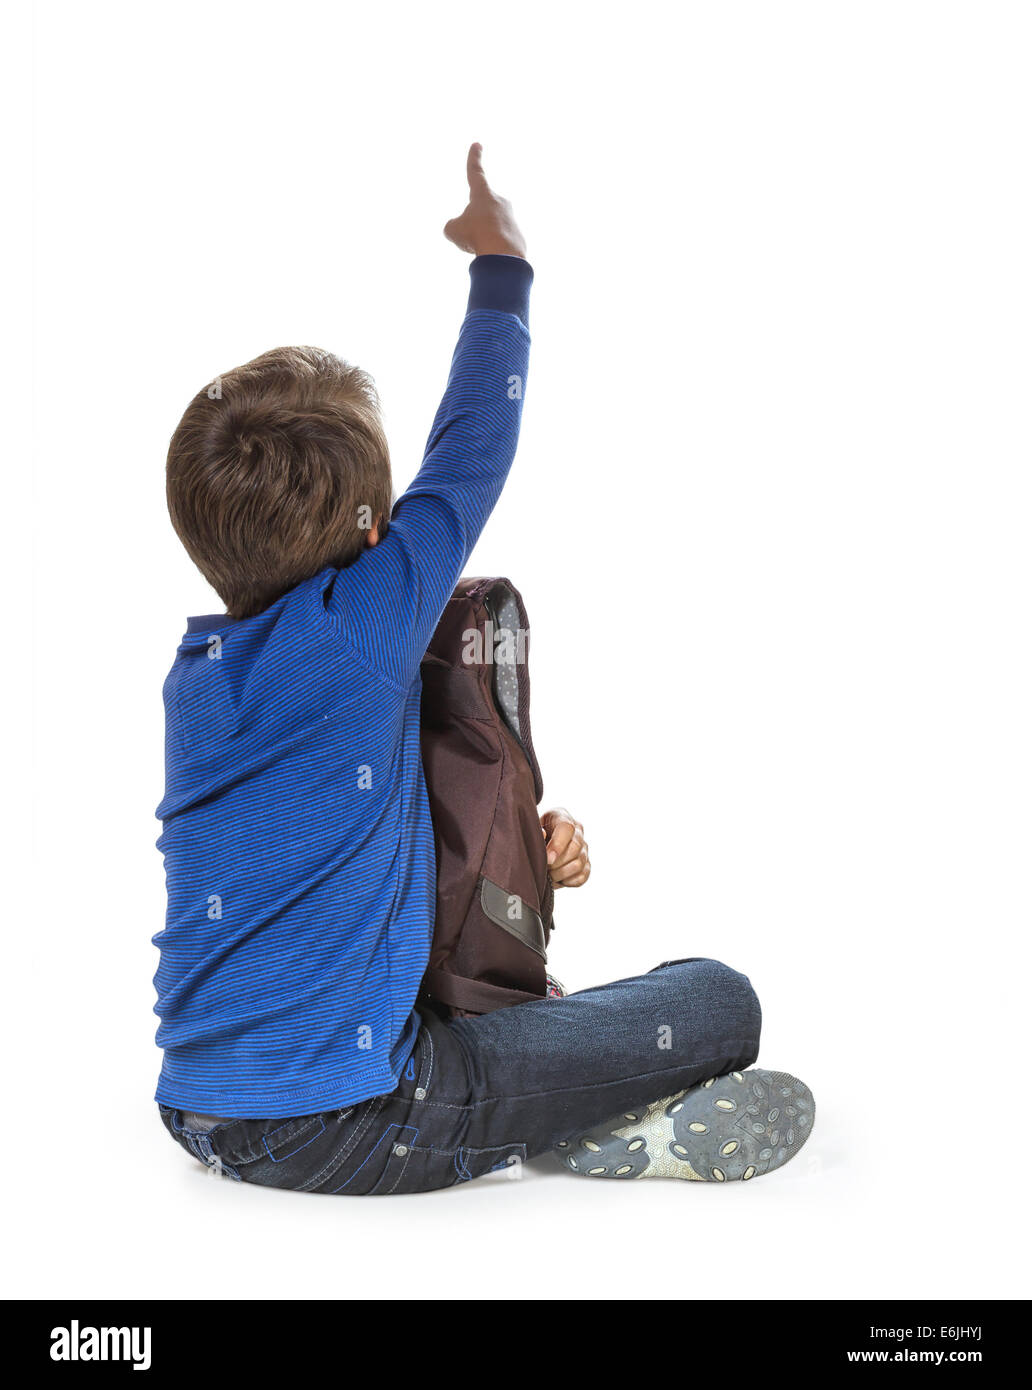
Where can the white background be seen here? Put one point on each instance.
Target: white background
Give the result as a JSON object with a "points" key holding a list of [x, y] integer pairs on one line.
{"points": [[770, 515]]}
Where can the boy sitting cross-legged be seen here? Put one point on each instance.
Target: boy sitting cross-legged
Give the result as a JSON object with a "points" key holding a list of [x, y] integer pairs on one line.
{"points": [[296, 831]]}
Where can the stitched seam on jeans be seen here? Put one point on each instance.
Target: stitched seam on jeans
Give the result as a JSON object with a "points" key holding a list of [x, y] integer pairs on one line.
{"points": [[286, 1125], [321, 1130], [342, 1154], [438, 1105], [466, 1053], [459, 1164], [400, 1171], [430, 1061], [393, 1129], [601, 1085], [491, 1148], [375, 1106]]}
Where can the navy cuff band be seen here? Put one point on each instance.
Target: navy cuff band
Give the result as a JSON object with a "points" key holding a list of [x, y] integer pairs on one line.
{"points": [[502, 283]]}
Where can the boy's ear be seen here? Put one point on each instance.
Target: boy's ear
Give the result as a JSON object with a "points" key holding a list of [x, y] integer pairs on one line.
{"points": [[373, 534]]}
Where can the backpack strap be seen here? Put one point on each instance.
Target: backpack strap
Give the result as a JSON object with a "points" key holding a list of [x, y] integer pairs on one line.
{"points": [[474, 996], [450, 691]]}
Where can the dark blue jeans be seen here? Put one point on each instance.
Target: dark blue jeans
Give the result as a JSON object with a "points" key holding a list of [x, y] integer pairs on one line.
{"points": [[485, 1093]]}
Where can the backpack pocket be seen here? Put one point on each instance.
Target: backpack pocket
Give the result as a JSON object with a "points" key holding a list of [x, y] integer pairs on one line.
{"points": [[512, 914]]}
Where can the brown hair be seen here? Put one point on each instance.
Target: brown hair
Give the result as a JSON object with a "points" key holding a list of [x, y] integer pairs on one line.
{"points": [[276, 470]]}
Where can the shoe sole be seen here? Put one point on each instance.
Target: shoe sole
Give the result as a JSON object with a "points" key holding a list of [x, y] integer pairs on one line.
{"points": [[731, 1128]]}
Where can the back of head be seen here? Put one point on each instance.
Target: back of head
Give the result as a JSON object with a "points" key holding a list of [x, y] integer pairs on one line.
{"points": [[277, 470]]}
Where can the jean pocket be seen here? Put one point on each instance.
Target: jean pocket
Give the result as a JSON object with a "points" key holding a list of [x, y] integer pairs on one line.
{"points": [[287, 1139], [375, 1166]]}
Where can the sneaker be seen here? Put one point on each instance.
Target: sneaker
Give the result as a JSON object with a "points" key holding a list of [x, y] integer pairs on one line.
{"points": [[732, 1127]]}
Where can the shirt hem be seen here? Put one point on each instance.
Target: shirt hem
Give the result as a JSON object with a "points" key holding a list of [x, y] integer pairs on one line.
{"points": [[277, 1105]]}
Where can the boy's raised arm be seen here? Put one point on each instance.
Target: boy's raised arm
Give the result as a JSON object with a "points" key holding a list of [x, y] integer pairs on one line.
{"points": [[391, 598]]}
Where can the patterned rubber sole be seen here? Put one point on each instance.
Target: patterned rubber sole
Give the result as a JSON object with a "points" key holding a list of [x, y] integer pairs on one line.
{"points": [[730, 1128]]}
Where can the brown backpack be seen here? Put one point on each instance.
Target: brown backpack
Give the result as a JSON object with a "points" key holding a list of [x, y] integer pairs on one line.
{"points": [[494, 894]]}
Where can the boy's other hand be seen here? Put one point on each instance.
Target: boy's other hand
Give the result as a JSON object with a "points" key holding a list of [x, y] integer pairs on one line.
{"points": [[487, 227], [568, 863]]}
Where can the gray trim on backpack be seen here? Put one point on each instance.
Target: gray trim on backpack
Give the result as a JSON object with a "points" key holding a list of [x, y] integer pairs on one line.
{"points": [[526, 927]]}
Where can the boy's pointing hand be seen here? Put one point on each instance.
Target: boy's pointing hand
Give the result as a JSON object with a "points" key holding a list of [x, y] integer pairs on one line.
{"points": [[568, 862], [487, 226]]}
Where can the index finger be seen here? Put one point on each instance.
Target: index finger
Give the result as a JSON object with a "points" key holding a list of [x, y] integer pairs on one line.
{"points": [[475, 170]]}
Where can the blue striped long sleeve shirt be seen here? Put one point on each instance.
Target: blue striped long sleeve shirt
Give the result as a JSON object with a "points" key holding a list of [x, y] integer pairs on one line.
{"points": [[296, 831]]}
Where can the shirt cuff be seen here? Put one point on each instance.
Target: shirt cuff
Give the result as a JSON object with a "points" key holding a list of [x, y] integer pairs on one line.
{"points": [[502, 283]]}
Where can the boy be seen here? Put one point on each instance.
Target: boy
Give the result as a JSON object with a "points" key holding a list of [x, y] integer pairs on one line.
{"points": [[297, 836]]}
